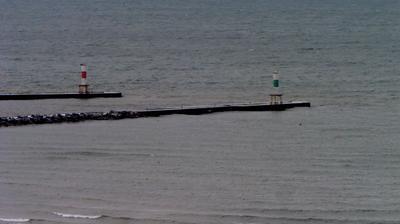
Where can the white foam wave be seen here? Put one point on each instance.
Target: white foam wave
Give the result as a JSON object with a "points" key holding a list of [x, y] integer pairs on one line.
{"points": [[77, 216], [14, 220]]}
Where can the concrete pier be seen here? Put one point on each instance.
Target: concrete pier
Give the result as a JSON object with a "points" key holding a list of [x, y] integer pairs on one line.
{"points": [[59, 96], [83, 92], [116, 115]]}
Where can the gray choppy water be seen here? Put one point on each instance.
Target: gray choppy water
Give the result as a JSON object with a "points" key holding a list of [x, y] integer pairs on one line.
{"points": [[189, 52], [336, 162], [296, 166]]}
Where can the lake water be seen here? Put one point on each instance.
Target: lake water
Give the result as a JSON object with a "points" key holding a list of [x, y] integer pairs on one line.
{"points": [[336, 162]]}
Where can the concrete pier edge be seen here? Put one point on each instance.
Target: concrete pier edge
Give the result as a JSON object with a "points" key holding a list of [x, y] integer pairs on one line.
{"points": [[41, 96], [117, 115]]}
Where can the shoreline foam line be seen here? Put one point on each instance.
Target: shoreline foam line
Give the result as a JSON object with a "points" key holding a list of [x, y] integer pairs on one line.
{"points": [[77, 216], [117, 115], [17, 220]]}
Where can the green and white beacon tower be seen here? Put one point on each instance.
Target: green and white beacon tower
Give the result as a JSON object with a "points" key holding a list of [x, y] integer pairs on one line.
{"points": [[276, 96]]}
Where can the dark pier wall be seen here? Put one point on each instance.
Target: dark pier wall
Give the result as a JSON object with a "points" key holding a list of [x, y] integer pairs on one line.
{"points": [[116, 115], [59, 96]]}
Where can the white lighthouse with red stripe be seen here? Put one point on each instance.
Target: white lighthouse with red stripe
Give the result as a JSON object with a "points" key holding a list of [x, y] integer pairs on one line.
{"points": [[83, 87]]}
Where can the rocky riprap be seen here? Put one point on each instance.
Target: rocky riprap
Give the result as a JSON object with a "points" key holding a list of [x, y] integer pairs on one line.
{"points": [[116, 115], [66, 117]]}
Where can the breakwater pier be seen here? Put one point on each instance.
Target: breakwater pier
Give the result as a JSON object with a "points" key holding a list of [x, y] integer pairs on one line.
{"points": [[117, 115], [83, 92], [41, 96]]}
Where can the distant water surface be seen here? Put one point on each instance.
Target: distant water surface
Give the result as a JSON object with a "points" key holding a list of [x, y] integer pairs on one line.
{"points": [[163, 53]]}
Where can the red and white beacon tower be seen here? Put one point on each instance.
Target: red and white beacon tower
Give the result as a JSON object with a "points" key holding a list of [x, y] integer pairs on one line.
{"points": [[83, 87]]}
